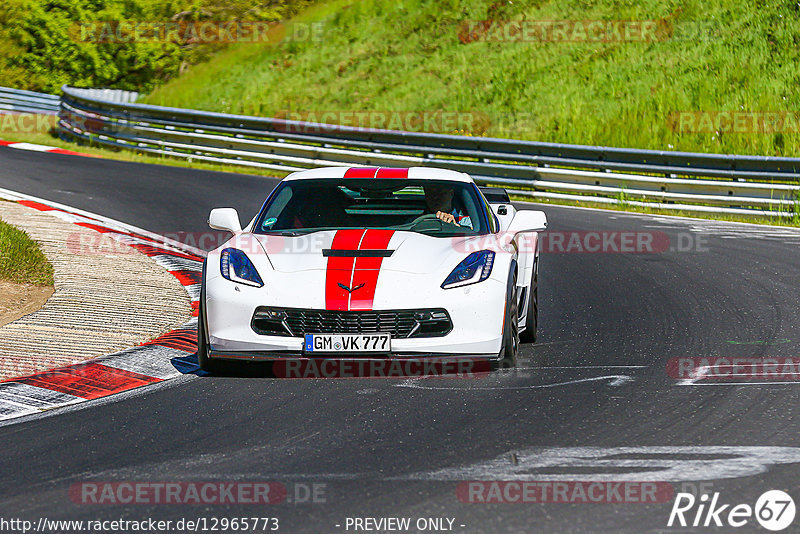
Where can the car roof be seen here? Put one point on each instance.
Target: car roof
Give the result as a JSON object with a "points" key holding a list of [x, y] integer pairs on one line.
{"points": [[416, 173]]}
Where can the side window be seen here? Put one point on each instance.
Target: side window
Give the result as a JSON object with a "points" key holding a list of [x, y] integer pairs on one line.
{"points": [[467, 205], [494, 223], [279, 203]]}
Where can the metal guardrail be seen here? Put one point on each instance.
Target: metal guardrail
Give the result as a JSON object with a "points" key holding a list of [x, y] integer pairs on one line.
{"points": [[757, 185], [21, 101], [111, 95]]}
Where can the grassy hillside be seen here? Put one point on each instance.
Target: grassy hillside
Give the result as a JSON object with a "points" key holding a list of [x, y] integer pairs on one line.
{"points": [[413, 55]]}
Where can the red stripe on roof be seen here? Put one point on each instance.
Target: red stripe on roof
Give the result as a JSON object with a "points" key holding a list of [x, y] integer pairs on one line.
{"points": [[340, 270], [88, 380], [392, 172], [361, 172], [6, 143], [367, 269]]}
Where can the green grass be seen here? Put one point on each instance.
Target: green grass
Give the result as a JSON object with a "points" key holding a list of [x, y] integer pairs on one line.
{"points": [[21, 259], [386, 55]]}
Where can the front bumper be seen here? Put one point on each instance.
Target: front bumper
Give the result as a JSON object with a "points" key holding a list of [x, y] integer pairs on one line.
{"points": [[476, 313], [431, 365], [443, 363]]}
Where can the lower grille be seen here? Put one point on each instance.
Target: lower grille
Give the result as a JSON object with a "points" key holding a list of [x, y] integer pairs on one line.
{"points": [[294, 322]]}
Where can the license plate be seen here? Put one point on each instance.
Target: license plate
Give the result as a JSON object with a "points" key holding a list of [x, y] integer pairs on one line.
{"points": [[344, 343]]}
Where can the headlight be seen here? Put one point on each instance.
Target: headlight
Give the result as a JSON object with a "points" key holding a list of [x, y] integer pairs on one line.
{"points": [[237, 267], [475, 268]]}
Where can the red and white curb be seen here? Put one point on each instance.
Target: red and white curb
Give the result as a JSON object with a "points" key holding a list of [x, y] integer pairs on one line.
{"points": [[43, 148], [166, 357]]}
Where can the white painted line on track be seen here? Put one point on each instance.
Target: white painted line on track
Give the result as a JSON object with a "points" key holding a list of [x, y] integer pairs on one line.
{"points": [[31, 146], [773, 383], [108, 222], [614, 380], [552, 464], [579, 367], [21, 399], [700, 376], [620, 464]]}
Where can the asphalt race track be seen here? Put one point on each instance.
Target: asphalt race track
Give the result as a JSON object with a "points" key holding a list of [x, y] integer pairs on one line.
{"points": [[597, 380]]}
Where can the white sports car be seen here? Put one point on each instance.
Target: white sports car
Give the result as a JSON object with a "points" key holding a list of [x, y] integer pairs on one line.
{"points": [[354, 263]]}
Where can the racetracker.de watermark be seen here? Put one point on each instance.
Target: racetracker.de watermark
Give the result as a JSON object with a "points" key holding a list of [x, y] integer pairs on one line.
{"points": [[590, 31], [591, 242], [27, 122], [734, 122], [562, 31], [428, 121], [399, 368], [195, 32], [574, 492], [548, 242], [734, 368], [194, 493], [104, 244]]}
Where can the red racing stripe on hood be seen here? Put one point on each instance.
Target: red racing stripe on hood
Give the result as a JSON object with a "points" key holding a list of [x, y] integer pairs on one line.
{"points": [[367, 269], [340, 270]]}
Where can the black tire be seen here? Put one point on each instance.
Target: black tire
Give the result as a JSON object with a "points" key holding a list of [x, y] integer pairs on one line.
{"points": [[206, 363], [532, 318], [510, 347]]}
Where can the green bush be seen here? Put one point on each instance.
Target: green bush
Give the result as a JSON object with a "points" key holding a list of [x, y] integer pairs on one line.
{"points": [[42, 49]]}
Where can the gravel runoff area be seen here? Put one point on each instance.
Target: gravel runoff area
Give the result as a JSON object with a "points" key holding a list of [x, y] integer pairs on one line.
{"points": [[108, 297]]}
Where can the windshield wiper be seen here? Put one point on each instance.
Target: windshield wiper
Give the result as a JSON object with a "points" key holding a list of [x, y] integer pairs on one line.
{"points": [[289, 233]]}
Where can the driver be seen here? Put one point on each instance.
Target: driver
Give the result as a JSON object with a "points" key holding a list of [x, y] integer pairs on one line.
{"points": [[439, 201]]}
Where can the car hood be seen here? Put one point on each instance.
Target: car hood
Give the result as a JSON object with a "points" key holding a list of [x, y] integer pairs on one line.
{"points": [[386, 250]]}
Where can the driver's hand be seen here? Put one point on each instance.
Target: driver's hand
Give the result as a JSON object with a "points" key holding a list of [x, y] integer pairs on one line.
{"points": [[446, 217]]}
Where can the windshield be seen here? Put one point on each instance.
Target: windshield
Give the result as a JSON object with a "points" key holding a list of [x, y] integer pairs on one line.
{"points": [[437, 208]]}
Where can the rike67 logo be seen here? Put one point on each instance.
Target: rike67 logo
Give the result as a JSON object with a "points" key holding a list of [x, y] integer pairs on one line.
{"points": [[774, 510]]}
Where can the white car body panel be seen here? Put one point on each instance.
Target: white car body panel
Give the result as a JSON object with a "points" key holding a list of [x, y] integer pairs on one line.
{"points": [[296, 274]]}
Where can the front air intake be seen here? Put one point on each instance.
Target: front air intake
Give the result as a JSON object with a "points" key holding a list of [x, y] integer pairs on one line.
{"points": [[296, 322]]}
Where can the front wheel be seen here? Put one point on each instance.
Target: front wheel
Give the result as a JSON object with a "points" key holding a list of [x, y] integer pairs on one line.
{"points": [[205, 362], [510, 346], [532, 318]]}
